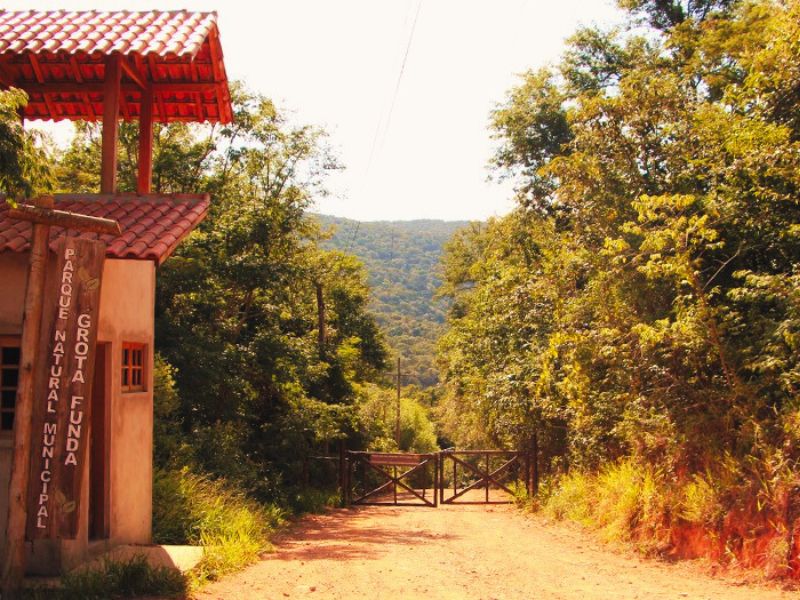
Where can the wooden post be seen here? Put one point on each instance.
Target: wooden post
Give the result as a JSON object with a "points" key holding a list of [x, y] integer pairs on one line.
{"points": [[14, 556], [342, 473], [397, 409], [535, 464], [436, 479], [111, 91], [349, 481], [42, 215], [441, 477], [487, 477], [145, 167]]}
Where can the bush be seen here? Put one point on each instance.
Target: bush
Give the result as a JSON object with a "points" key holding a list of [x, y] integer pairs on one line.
{"points": [[701, 503], [314, 500], [232, 528], [626, 502], [572, 499], [116, 579]]}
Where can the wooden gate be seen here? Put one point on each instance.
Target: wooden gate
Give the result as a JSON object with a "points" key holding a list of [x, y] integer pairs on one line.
{"points": [[447, 477], [481, 476], [391, 479]]}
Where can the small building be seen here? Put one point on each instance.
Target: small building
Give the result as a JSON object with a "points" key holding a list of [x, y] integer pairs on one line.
{"points": [[107, 66], [119, 483]]}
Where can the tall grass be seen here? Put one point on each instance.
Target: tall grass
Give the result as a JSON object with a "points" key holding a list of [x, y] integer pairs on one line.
{"points": [[132, 578], [625, 502], [727, 514], [232, 528]]}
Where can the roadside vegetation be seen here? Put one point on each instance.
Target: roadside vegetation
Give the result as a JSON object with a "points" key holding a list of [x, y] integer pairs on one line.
{"points": [[267, 356], [639, 312], [132, 578]]}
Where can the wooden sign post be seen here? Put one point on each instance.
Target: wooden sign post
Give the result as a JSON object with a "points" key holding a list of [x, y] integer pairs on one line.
{"points": [[43, 216], [62, 389]]}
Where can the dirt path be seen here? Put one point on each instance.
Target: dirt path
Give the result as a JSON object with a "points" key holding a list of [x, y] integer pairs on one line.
{"points": [[466, 552]]}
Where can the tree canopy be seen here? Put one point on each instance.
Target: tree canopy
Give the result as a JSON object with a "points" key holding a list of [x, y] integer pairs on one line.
{"points": [[642, 300]]}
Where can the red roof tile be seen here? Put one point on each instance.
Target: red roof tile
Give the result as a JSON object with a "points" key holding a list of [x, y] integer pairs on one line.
{"points": [[179, 32], [152, 226], [58, 58]]}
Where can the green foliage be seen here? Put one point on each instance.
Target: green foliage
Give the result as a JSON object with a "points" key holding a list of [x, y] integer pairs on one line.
{"points": [[378, 418], [402, 259], [133, 578], [666, 14], [639, 309], [626, 502], [24, 162], [166, 400], [311, 500], [572, 499], [701, 501], [193, 509], [240, 297]]}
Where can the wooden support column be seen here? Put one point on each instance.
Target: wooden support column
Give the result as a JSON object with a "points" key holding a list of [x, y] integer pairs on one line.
{"points": [[145, 175], [14, 557], [111, 93], [42, 216]]}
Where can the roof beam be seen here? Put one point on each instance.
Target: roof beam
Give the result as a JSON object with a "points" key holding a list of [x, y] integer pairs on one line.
{"points": [[76, 69], [98, 88], [131, 72], [37, 68], [217, 69]]}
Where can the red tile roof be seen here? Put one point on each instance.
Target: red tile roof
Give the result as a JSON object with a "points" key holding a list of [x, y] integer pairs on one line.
{"points": [[180, 32], [58, 57], [152, 226]]}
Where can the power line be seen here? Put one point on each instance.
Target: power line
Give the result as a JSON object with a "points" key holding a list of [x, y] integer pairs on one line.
{"points": [[395, 92], [402, 70]]}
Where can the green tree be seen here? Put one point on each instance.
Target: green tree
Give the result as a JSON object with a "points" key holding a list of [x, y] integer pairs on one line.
{"points": [[638, 303], [24, 158], [237, 312]]}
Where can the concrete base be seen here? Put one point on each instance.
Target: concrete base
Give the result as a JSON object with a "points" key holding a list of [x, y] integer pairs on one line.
{"points": [[182, 558]]}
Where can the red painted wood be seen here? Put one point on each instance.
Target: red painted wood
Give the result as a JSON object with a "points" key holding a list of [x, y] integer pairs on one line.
{"points": [[145, 174], [111, 92]]}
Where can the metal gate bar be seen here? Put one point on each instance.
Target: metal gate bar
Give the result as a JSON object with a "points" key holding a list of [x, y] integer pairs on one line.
{"points": [[486, 477], [385, 465], [380, 463]]}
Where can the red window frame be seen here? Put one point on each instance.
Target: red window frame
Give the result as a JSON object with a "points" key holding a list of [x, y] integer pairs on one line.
{"points": [[10, 357], [133, 371]]}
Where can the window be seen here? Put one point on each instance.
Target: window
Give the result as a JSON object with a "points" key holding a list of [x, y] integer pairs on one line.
{"points": [[9, 378], [132, 367]]}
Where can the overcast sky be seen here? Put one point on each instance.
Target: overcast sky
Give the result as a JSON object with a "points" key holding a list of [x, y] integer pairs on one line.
{"points": [[419, 153]]}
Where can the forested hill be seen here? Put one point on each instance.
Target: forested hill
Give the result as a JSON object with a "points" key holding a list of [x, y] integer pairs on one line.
{"points": [[402, 258]]}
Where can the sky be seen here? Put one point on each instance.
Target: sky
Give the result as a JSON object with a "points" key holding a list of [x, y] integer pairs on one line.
{"points": [[403, 87]]}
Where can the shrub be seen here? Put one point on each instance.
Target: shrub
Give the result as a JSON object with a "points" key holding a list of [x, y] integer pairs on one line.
{"points": [[626, 501], [116, 579], [572, 499], [232, 528], [701, 503]]}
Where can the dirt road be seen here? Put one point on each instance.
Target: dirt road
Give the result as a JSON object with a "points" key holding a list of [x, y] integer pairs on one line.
{"points": [[465, 552]]}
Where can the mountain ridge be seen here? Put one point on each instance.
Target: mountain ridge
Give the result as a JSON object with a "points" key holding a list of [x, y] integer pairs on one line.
{"points": [[402, 261]]}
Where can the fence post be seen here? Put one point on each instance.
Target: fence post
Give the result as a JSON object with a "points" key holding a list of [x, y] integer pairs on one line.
{"points": [[535, 463], [436, 480], [348, 493], [342, 473]]}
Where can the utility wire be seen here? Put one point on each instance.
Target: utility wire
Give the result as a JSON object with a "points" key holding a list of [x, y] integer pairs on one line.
{"points": [[396, 91]]}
